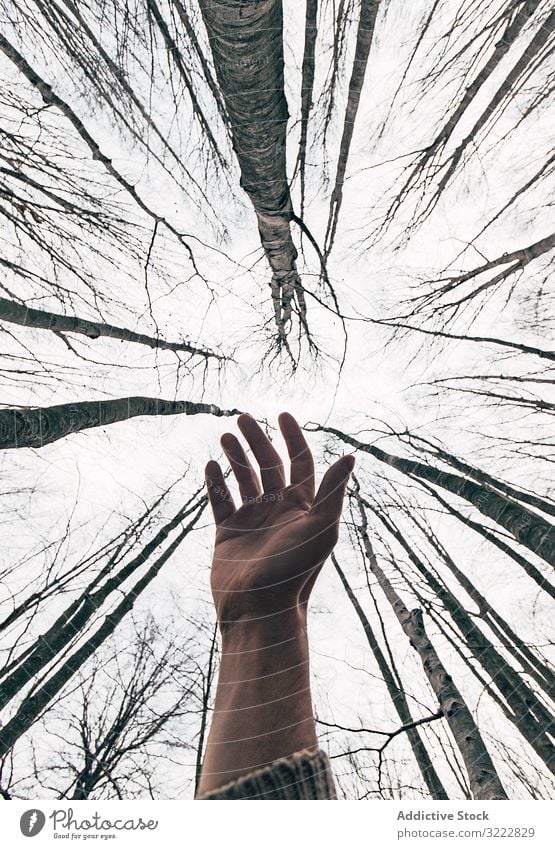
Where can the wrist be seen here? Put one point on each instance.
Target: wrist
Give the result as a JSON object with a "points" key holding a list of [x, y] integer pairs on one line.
{"points": [[265, 654], [263, 708], [262, 630]]}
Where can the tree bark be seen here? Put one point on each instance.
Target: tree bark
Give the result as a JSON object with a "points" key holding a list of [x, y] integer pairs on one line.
{"points": [[529, 662], [33, 427], [541, 580], [365, 32], [41, 319], [307, 87], [33, 705], [482, 775], [530, 715], [400, 703], [531, 530], [246, 38], [480, 475]]}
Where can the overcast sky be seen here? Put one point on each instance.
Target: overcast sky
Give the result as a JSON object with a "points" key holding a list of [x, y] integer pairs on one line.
{"points": [[100, 476]]}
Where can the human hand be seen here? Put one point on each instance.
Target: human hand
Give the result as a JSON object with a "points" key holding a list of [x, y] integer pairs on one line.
{"points": [[269, 551]]}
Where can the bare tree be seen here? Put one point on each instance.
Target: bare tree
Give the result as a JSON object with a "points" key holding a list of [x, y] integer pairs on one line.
{"points": [[33, 428], [398, 697], [483, 779], [528, 528], [128, 139], [61, 324], [367, 21], [70, 642], [111, 734], [247, 47]]}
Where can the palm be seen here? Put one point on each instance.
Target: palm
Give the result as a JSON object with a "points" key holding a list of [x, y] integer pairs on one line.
{"points": [[269, 551]]}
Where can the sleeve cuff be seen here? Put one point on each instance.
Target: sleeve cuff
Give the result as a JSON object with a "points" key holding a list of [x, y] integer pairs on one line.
{"points": [[304, 775]]}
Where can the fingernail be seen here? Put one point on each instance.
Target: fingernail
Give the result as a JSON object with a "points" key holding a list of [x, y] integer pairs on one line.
{"points": [[349, 462]]}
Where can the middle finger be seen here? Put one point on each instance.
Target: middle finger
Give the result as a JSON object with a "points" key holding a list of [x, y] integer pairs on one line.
{"points": [[271, 467]]}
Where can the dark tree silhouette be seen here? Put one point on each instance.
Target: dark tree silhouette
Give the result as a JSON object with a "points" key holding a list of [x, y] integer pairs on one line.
{"points": [[132, 139]]}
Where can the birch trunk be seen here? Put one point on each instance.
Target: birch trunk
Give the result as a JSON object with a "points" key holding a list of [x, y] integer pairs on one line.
{"points": [[400, 703], [307, 87], [482, 775], [481, 476], [530, 715], [531, 530], [246, 39], [365, 32], [43, 320], [33, 427], [34, 704]]}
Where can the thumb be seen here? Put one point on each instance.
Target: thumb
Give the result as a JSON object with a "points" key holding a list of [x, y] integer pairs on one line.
{"points": [[329, 498]]}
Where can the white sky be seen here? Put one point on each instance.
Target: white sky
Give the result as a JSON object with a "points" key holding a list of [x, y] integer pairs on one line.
{"points": [[96, 474]]}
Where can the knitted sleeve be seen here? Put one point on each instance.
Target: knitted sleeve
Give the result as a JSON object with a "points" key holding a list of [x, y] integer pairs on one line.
{"points": [[303, 775]]}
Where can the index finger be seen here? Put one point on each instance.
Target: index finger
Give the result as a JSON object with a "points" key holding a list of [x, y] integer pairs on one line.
{"points": [[302, 463], [218, 492]]}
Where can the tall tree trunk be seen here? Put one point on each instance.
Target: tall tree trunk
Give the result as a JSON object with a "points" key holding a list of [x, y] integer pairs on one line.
{"points": [[365, 32], [531, 530], [530, 715], [246, 38], [307, 87], [512, 31], [75, 618], [516, 22], [483, 778], [33, 427], [541, 580], [534, 48], [41, 319], [525, 658], [480, 475], [33, 704], [482, 775], [400, 703]]}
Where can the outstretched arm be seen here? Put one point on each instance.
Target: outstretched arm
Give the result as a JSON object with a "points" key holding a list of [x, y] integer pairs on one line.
{"points": [[267, 555]]}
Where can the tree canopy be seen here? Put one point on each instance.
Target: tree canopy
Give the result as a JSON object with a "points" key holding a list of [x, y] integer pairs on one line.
{"points": [[343, 209]]}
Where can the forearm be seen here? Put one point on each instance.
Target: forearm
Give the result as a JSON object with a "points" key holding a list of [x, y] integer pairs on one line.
{"points": [[263, 707]]}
